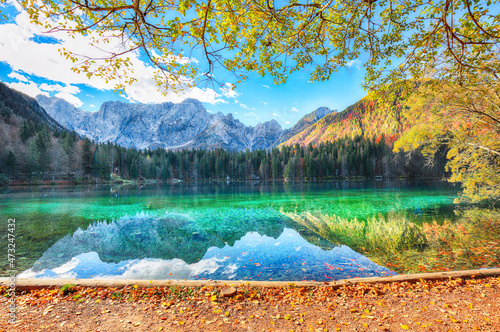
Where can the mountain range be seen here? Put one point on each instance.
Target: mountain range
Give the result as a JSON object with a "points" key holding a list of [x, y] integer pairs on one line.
{"points": [[189, 125], [171, 126]]}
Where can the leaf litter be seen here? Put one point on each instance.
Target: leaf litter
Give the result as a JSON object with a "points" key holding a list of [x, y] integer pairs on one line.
{"points": [[452, 304]]}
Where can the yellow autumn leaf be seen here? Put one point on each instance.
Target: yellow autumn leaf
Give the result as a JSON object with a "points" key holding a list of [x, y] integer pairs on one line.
{"points": [[404, 327]]}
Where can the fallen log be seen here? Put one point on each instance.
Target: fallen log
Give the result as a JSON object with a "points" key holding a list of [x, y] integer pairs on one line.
{"points": [[27, 284]]}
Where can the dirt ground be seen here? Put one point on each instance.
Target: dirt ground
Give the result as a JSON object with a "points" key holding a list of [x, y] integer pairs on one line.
{"points": [[447, 305]]}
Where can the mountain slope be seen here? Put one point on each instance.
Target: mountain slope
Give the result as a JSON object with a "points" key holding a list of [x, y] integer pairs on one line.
{"points": [[166, 125], [366, 118], [25, 107], [306, 121]]}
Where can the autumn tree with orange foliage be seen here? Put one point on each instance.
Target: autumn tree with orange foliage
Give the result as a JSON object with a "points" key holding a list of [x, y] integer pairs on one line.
{"points": [[465, 118]]}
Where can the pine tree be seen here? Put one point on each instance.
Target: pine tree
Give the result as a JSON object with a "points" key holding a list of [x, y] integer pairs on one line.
{"points": [[26, 130], [68, 146], [133, 169], [42, 142], [11, 163], [86, 156]]}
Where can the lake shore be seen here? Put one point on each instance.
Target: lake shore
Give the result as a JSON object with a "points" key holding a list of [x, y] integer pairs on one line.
{"points": [[444, 303], [125, 181], [29, 284]]}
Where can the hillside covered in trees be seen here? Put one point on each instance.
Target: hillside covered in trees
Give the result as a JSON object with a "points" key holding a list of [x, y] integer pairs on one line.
{"points": [[369, 117], [35, 148]]}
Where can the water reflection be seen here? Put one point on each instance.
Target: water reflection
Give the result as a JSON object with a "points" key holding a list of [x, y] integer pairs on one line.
{"points": [[125, 223], [253, 257], [174, 235]]}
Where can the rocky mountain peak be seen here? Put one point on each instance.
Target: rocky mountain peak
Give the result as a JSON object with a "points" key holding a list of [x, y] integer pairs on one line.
{"points": [[322, 112], [191, 101], [305, 122], [268, 124], [171, 126]]}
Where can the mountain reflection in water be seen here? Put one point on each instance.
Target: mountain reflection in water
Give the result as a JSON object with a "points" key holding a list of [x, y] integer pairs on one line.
{"points": [[177, 247]]}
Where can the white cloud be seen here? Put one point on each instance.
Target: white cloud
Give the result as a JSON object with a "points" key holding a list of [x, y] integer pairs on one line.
{"points": [[293, 109], [70, 89], [276, 115], [288, 122], [145, 95], [355, 62], [31, 89], [18, 77], [228, 91], [70, 98], [12, 3], [266, 86], [23, 53], [265, 103], [236, 113], [252, 114], [246, 107]]}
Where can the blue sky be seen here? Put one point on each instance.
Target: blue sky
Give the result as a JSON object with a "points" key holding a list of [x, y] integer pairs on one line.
{"points": [[30, 62]]}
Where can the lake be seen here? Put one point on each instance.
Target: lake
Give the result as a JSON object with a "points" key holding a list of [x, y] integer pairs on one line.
{"points": [[245, 231]]}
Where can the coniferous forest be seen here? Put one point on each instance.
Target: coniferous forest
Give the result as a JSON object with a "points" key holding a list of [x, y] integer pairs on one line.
{"points": [[35, 152]]}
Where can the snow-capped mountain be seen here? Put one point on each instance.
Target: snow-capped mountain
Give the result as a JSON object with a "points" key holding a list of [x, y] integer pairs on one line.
{"points": [[167, 125]]}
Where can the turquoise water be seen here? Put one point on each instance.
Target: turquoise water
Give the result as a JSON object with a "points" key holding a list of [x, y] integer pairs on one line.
{"points": [[108, 203], [203, 231]]}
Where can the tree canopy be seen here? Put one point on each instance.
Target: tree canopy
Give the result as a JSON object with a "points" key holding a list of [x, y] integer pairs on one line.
{"points": [[393, 39], [466, 119]]}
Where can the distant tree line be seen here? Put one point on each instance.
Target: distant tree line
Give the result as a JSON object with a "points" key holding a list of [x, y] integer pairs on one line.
{"points": [[30, 151]]}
